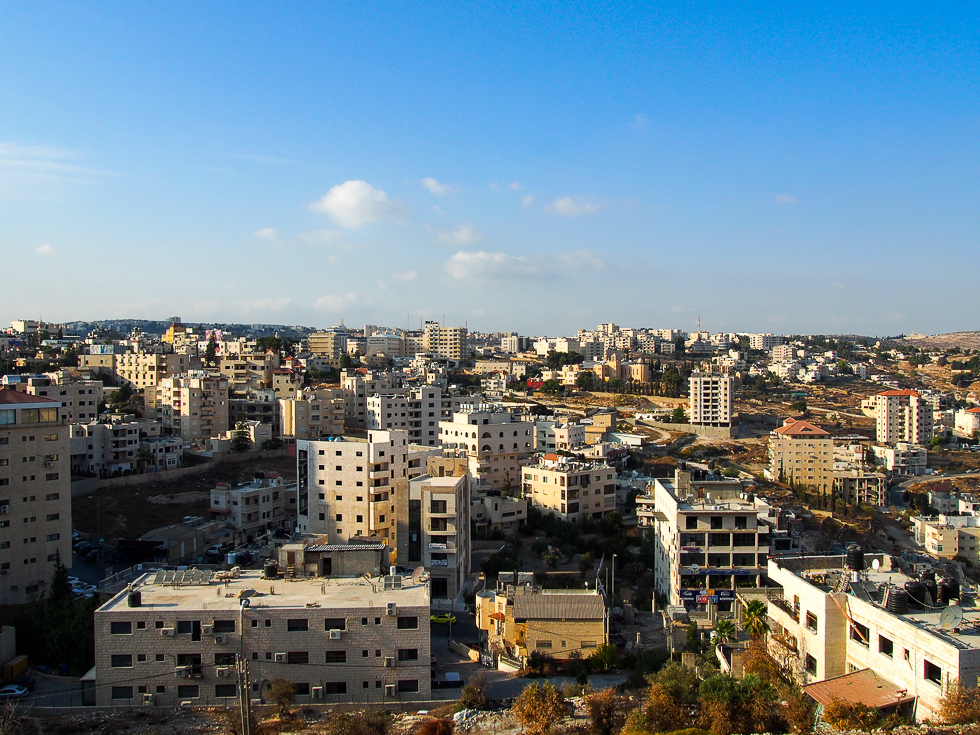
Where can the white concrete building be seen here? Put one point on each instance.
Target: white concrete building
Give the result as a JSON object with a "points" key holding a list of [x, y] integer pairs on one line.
{"points": [[253, 509], [711, 399], [903, 416], [493, 440], [417, 411], [902, 459], [572, 490]]}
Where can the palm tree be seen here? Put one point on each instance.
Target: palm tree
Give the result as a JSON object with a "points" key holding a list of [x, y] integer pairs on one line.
{"points": [[754, 621], [725, 631]]}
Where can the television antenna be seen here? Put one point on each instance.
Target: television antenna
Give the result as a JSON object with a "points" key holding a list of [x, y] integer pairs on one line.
{"points": [[951, 617]]}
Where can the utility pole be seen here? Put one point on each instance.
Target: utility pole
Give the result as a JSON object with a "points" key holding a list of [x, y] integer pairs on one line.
{"points": [[245, 704]]}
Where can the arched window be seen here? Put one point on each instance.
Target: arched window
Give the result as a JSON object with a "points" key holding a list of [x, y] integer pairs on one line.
{"points": [[486, 448], [486, 435]]}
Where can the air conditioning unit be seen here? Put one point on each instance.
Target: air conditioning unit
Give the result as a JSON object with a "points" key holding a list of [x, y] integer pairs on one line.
{"points": [[335, 635], [147, 699], [167, 631], [391, 609], [389, 662], [223, 671], [316, 692], [389, 690], [4, 509], [207, 630], [280, 658], [221, 638], [183, 672]]}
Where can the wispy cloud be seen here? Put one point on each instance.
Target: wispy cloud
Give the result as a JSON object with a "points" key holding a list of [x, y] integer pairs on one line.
{"points": [[786, 199], [407, 276], [336, 302], [273, 303], [319, 237], [435, 187], [515, 186], [639, 122], [45, 251], [31, 171], [573, 206], [528, 200], [482, 266], [267, 160], [355, 203], [462, 235], [269, 234]]}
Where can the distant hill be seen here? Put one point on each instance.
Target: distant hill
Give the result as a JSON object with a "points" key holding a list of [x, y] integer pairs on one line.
{"points": [[963, 340]]}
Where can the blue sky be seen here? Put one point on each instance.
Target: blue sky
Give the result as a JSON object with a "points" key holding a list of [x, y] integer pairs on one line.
{"points": [[536, 168]]}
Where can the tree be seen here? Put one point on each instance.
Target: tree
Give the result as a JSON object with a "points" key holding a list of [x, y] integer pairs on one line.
{"points": [[754, 621], [346, 363], [604, 657], [240, 441], [539, 708], [960, 706], [474, 694], [604, 710], [551, 386], [725, 631], [585, 380], [121, 395], [693, 641], [678, 416], [281, 691], [799, 405], [211, 351]]}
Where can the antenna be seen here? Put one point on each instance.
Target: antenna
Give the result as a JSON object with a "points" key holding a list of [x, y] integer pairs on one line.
{"points": [[951, 617]]}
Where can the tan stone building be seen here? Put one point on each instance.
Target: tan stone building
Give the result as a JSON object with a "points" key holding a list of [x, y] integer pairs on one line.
{"points": [[572, 490], [493, 440], [312, 413], [194, 406], [35, 494], [802, 454]]}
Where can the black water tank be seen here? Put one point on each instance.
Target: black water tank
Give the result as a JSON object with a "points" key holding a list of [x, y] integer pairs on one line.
{"points": [[898, 602], [928, 576], [134, 598], [855, 558], [933, 589], [949, 590], [270, 570], [917, 593]]}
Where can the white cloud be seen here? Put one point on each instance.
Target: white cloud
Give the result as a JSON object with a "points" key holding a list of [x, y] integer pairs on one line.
{"points": [[579, 259], [435, 187], [336, 302], [573, 206], [462, 235], [786, 199], [270, 234], [438, 210], [515, 186], [483, 266], [318, 237], [528, 200], [45, 251], [355, 203], [408, 276]]}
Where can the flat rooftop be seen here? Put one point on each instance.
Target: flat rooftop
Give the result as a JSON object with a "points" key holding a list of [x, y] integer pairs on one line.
{"points": [[218, 595]]}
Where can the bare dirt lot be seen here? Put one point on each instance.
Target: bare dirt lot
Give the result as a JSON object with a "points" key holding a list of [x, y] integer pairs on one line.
{"points": [[129, 512]]}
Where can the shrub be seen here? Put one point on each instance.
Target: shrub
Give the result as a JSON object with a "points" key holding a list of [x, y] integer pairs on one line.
{"points": [[281, 692], [539, 708], [435, 727], [605, 712], [474, 694], [960, 706]]}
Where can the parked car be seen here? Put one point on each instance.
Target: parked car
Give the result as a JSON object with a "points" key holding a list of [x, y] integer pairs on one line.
{"points": [[443, 618], [83, 547], [92, 555], [13, 691], [26, 680]]}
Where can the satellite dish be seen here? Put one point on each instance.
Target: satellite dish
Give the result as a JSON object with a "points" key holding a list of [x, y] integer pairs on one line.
{"points": [[876, 564], [417, 574], [694, 568], [951, 617]]}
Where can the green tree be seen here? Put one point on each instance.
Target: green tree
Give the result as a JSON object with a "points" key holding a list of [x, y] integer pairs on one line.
{"points": [[211, 351], [346, 362], [281, 691], [240, 440], [551, 386], [474, 694], [678, 416], [799, 405], [121, 395], [725, 631], [693, 641], [604, 658], [754, 620], [585, 380]]}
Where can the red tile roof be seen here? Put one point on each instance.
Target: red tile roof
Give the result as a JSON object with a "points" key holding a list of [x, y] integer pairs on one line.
{"points": [[800, 428], [905, 392], [10, 397]]}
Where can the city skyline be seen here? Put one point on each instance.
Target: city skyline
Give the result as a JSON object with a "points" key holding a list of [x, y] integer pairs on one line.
{"points": [[537, 170]]}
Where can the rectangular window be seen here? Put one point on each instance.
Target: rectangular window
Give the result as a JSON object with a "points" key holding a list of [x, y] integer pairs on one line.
{"points": [[408, 685], [811, 665], [811, 622], [188, 691], [544, 644], [224, 659], [691, 523], [122, 692], [297, 625], [335, 624], [408, 654], [334, 687], [298, 657], [120, 627], [185, 627], [225, 690], [859, 633], [224, 626], [336, 657], [121, 661], [931, 672], [885, 646], [406, 623]]}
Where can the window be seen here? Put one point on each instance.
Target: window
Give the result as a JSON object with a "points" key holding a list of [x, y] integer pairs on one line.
{"points": [[298, 657], [160, 657], [544, 644], [335, 624], [885, 646], [334, 687], [408, 685], [931, 672], [120, 627], [121, 661], [296, 625], [811, 665], [188, 691], [692, 523], [717, 522], [185, 626], [408, 654], [859, 633], [224, 659], [336, 657], [122, 692], [140, 658], [224, 626], [225, 690], [405, 622], [811, 622]]}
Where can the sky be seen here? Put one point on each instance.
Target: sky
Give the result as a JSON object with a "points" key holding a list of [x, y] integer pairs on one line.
{"points": [[537, 168]]}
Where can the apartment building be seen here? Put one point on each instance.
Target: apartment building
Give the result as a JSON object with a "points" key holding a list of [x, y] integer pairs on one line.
{"points": [[328, 346], [104, 449], [435, 533], [79, 399], [764, 341], [194, 406], [802, 455], [495, 443], [388, 345], [359, 386], [514, 344], [190, 636], [255, 405], [255, 508], [35, 494], [250, 370], [497, 514], [572, 490], [145, 370], [859, 486], [445, 343], [552, 434], [347, 486], [903, 416], [830, 621], [160, 453], [312, 413], [966, 422], [709, 534], [903, 459], [417, 411], [711, 399], [285, 382]]}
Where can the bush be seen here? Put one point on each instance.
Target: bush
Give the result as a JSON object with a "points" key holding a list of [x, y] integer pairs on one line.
{"points": [[281, 692], [435, 727], [960, 706], [473, 695], [539, 708], [605, 712]]}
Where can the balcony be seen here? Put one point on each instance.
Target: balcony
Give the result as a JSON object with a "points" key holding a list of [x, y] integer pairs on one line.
{"points": [[786, 607]]}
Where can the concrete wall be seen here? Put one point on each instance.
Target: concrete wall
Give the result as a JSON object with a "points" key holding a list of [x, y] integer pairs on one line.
{"points": [[719, 432]]}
